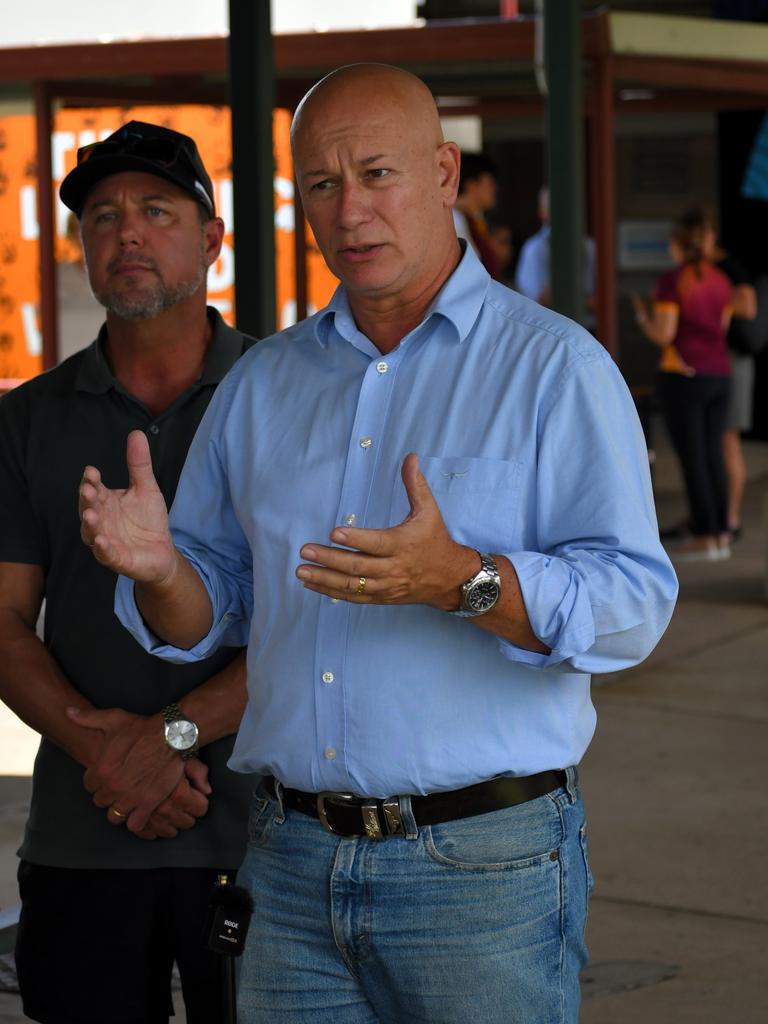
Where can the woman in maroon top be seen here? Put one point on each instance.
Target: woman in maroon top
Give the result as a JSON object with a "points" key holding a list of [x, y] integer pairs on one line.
{"points": [[689, 322]]}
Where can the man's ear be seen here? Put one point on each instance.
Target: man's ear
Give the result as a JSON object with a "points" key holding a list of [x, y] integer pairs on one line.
{"points": [[448, 157], [213, 235]]}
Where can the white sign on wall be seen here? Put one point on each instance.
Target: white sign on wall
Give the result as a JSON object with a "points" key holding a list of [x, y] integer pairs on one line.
{"points": [[644, 244]]}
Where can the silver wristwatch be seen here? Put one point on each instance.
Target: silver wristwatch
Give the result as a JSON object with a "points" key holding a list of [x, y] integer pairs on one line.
{"points": [[480, 593], [181, 734]]}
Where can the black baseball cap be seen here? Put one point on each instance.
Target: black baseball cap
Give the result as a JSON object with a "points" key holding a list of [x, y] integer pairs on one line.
{"points": [[139, 146]]}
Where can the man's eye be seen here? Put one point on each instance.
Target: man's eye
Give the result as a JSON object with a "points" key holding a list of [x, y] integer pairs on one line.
{"points": [[378, 172], [322, 186], [155, 211]]}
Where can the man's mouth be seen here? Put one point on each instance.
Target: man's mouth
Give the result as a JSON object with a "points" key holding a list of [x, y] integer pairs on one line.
{"points": [[360, 250], [130, 267]]}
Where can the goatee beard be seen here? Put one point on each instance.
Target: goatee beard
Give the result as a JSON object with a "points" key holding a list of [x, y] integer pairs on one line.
{"points": [[151, 302]]}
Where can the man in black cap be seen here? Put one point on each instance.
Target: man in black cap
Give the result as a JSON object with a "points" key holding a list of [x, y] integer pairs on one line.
{"points": [[133, 810]]}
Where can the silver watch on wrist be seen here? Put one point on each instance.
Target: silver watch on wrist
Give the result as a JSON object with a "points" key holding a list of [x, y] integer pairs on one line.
{"points": [[480, 593], [181, 734]]}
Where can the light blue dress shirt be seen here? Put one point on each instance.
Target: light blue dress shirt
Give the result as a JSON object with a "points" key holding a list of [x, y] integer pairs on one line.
{"points": [[529, 440]]}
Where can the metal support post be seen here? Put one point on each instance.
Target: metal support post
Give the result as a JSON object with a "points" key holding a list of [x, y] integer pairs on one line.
{"points": [[251, 88]]}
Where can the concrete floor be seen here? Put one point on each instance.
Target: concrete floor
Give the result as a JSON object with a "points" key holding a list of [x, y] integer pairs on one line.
{"points": [[674, 785]]}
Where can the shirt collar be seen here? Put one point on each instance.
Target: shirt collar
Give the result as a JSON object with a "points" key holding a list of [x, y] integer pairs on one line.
{"points": [[459, 301], [226, 347], [94, 374]]}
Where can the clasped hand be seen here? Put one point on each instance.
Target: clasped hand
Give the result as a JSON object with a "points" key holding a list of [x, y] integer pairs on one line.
{"points": [[415, 562], [155, 793]]}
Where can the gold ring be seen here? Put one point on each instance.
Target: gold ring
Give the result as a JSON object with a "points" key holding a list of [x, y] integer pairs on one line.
{"points": [[361, 585], [118, 814]]}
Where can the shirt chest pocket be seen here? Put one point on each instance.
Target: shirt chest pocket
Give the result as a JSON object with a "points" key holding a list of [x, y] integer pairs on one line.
{"points": [[478, 498]]}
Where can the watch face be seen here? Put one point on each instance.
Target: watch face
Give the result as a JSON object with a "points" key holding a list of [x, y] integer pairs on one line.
{"points": [[182, 734], [483, 596]]}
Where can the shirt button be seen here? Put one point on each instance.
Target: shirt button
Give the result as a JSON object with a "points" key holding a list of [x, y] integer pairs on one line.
{"points": [[330, 754], [381, 367], [366, 442], [154, 429], [334, 600], [327, 677], [351, 519]]}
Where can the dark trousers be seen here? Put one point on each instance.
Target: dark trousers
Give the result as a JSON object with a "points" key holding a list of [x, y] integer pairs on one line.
{"points": [[97, 946], [695, 411]]}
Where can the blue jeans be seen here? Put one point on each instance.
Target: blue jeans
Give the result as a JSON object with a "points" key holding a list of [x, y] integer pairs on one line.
{"points": [[480, 919]]}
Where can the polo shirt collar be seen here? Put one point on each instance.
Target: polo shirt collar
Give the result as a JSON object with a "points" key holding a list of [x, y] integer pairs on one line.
{"points": [[459, 301], [226, 346], [225, 349]]}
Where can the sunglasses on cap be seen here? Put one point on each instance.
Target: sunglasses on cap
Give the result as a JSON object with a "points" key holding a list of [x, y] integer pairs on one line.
{"points": [[165, 152], [161, 151]]}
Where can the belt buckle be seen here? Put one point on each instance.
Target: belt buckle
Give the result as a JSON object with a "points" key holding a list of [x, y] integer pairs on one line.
{"points": [[339, 798], [369, 813]]}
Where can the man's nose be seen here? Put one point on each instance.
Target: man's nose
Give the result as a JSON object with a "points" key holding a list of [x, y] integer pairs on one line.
{"points": [[354, 207], [129, 232]]}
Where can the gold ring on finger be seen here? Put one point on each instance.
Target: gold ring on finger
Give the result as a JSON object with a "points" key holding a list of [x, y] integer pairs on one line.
{"points": [[118, 814], [361, 585]]}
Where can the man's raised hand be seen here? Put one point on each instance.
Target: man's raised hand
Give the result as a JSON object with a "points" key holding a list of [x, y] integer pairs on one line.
{"points": [[127, 529], [415, 562]]}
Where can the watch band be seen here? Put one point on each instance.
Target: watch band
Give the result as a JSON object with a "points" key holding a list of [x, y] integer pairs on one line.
{"points": [[172, 712]]}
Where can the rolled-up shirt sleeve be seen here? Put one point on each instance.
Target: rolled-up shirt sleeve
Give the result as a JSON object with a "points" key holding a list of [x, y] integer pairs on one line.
{"points": [[599, 590]]}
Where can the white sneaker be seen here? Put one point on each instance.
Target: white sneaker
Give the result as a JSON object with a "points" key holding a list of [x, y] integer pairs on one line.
{"points": [[695, 551]]}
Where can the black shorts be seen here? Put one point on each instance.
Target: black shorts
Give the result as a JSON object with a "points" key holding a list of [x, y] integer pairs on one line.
{"points": [[98, 947]]}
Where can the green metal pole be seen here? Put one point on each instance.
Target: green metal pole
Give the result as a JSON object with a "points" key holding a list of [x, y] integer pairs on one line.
{"points": [[251, 88], [565, 153]]}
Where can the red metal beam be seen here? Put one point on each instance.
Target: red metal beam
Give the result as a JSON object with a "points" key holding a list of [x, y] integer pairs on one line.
{"points": [[459, 42], [715, 76], [114, 60], [100, 93], [45, 219]]}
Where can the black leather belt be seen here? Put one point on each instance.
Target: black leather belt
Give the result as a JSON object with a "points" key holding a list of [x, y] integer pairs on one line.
{"points": [[344, 814]]}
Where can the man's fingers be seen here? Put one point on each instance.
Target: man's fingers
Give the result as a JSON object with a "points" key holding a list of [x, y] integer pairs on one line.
{"points": [[355, 589], [196, 772], [89, 488], [157, 829], [415, 483], [148, 834], [139, 460], [348, 591], [138, 819], [94, 719], [350, 563]]}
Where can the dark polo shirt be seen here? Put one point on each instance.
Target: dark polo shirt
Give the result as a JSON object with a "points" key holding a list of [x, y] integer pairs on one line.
{"points": [[50, 428]]}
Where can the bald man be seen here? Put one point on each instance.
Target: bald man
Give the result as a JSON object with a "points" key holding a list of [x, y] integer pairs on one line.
{"points": [[427, 511]]}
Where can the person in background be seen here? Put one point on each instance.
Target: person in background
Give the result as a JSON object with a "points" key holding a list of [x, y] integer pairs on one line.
{"points": [[500, 236], [739, 417], [478, 189], [446, 528], [532, 275], [688, 321], [133, 812]]}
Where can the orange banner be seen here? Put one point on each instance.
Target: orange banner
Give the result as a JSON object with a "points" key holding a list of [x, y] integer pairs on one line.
{"points": [[21, 344], [20, 338]]}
